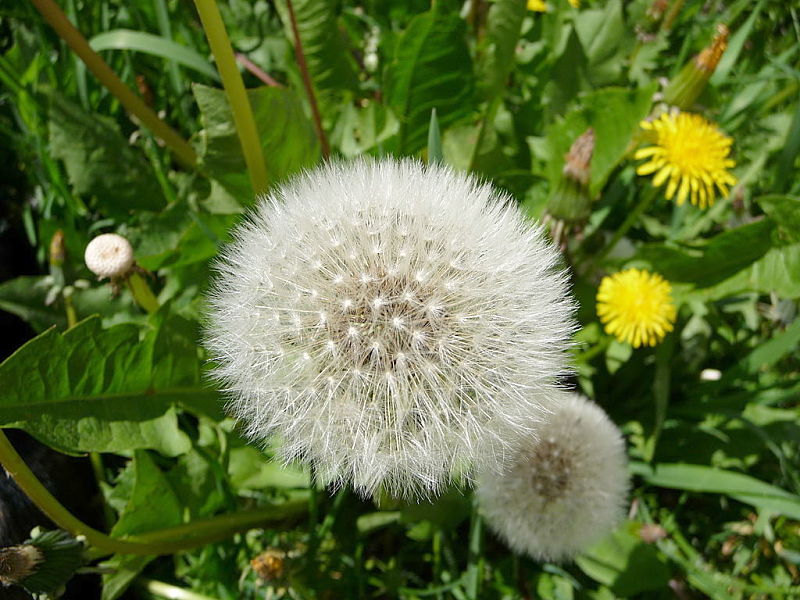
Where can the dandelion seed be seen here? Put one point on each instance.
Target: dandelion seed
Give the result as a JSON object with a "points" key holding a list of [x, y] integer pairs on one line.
{"points": [[401, 392], [690, 156], [564, 490], [635, 307]]}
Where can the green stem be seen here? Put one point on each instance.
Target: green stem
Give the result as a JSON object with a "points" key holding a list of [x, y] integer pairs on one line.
{"points": [[307, 84], [243, 117], [167, 541], [647, 199], [166, 590], [661, 391], [475, 560], [142, 293], [100, 475], [51, 12], [69, 308]]}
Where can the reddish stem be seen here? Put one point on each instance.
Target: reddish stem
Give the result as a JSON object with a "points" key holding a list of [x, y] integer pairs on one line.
{"points": [[257, 71], [301, 62]]}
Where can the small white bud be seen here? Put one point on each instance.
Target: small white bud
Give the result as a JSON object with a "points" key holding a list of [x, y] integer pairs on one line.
{"points": [[109, 255]]}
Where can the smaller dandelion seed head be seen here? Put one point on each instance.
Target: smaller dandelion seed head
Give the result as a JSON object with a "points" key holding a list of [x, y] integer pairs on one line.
{"points": [[562, 490], [109, 255], [18, 562], [636, 307], [690, 155]]}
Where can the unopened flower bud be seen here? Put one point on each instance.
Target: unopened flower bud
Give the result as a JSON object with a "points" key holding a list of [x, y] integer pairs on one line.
{"points": [[687, 86], [109, 255], [570, 200], [18, 563], [58, 251]]}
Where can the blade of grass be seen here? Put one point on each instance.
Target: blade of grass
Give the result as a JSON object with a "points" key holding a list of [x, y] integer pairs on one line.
{"points": [[51, 12], [165, 28], [139, 41], [243, 118]]}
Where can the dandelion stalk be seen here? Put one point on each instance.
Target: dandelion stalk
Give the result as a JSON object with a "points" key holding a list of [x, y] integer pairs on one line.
{"points": [[142, 293], [179, 147], [309, 86], [167, 541], [166, 590], [243, 117]]}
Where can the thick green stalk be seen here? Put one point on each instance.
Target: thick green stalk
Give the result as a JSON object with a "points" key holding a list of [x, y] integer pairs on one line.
{"points": [[142, 293], [166, 590], [167, 541], [179, 147], [243, 117]]}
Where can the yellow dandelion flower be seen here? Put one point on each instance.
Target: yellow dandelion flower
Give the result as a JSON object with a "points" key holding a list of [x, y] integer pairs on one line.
{"points": [[537, 5], [690, 155], [574, 3], [635, 307]]}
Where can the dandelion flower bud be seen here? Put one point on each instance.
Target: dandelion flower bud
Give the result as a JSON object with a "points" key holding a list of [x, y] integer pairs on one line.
{"points": [[109, 255], [391, 323], [565, 489], [18, 563]]}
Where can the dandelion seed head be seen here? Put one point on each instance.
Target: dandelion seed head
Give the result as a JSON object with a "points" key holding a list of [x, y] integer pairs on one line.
{"points": [[109, 255], [564, 489], [432, 352]]}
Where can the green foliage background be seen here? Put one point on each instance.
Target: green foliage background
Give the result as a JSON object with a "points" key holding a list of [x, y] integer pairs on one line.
{"points": [[715, 462]]}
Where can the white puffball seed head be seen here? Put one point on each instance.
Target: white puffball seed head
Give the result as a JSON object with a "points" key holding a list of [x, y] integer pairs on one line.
{"points": [[392, 324], [562, 491], [109, 255]]}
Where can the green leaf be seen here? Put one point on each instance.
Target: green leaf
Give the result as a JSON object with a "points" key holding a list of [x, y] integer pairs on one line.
{"points": [[568, 75], [431, 69], [250, 469], [195, 484], [771, 351], [100, 162], [124, 569], [287, 137], [25, 297], [784, 212], [126, 39], [92, 390], [602, 32], [625, 563], [700, 478], [329, 61], [152, 503], [725, 255], [499, 44]]}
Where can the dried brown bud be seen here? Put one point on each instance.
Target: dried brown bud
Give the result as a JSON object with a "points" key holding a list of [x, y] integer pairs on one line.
{"points": [[579, 158], [58, 250], [651, 533], [269, 565], [709, 57]]}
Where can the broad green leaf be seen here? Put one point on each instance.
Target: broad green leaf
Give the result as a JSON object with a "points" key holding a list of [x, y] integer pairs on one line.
{"points": [[329, 61], [784, 212], [431, 69], [602, 31], [93, 390], [196, 486], [152, 503], [126, 39], [287, 137], [568, 76], [723, 256], [770, 351], [614, 114], [251, 469], [700, 478], [99, 161], [124, 569], [499, 44], [625, 563]]}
